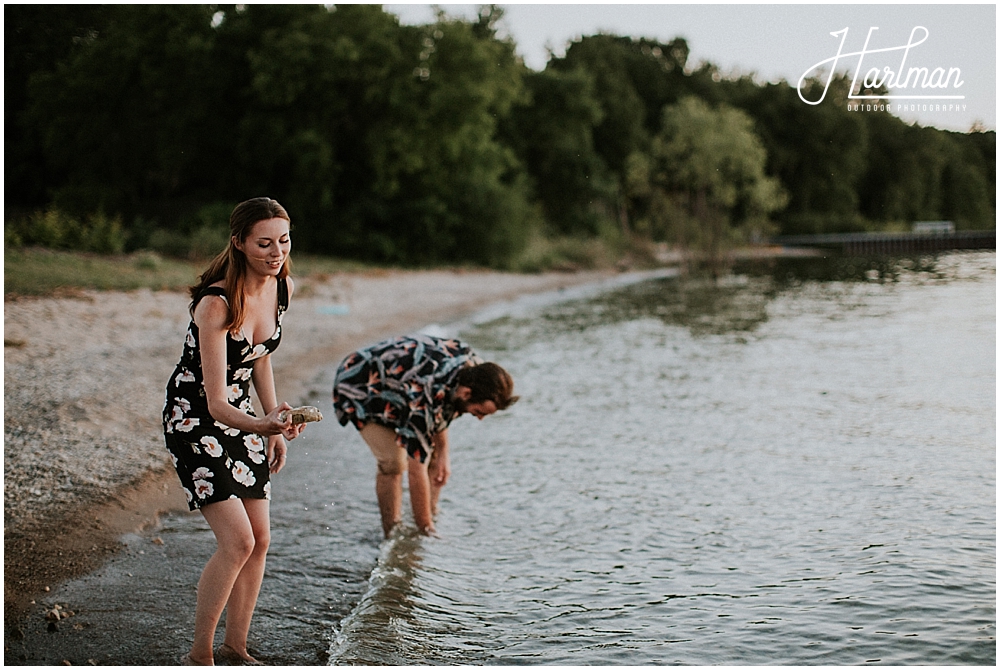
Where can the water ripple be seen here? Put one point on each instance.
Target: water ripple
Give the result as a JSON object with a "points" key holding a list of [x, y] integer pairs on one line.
{"points": [[780, 469]]}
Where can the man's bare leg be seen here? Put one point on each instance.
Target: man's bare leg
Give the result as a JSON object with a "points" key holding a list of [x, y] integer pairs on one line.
{"points": [[389, 490], [420, 496], [389, 479]]}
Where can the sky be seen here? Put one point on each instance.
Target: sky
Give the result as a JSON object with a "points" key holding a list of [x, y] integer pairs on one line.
{"points": [[784, 41]]}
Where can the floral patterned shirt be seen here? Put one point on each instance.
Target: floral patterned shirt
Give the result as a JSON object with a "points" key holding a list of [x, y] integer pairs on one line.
{"points": [[406, 384]]}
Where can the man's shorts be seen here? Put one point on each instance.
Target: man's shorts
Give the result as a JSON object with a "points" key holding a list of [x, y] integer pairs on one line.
{"points": [[390, 456], [382, 441]]}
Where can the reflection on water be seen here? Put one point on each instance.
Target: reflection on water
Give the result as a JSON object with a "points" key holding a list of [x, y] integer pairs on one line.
{"points": [[706, 305], [792, 465]]}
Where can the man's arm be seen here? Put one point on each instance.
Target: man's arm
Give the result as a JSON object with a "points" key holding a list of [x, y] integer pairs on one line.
{"points": [[440, 469], [420, 495]]}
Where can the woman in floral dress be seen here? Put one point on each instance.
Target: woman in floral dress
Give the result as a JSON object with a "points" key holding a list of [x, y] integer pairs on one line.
{"points": [[223, 453]]}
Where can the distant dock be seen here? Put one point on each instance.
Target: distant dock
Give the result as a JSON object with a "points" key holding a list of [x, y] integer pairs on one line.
{"points": [[863, 244]]}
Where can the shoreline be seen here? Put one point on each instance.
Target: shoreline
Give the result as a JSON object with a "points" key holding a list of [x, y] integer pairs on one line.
{"points": [[84, 462]]}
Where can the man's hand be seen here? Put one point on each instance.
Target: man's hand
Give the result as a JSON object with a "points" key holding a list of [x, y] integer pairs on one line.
{"points": [[440, 469], [440, 466]]}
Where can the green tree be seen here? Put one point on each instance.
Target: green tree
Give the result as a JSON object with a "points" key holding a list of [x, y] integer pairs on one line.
{"points": [[917, 173], [552, 134], [36, 39], [819, 153], [708, 163], [384, 138], [126, 116], [471, 80], [633, 80]]}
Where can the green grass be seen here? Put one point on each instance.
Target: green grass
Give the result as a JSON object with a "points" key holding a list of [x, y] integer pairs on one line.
{"points": [[305, 265], [34, 271], [41, 272], [45, 272]]}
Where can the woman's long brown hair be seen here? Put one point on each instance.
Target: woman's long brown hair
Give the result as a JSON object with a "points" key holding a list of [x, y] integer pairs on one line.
{"points": [[230, 266]]}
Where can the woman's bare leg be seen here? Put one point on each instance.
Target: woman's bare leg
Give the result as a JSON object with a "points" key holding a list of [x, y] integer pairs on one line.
{"points": [[243, 598], [235, 543]]}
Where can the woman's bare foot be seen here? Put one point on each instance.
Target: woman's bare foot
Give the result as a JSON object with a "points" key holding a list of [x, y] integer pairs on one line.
{"points": [[232, 657], [187, 660]]}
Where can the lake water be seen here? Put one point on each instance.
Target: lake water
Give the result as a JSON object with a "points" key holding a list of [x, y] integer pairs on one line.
{"points": [[795, 464]]}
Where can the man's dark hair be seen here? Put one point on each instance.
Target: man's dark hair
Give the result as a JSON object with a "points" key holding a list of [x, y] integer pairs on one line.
{"points": [[488, 381]]}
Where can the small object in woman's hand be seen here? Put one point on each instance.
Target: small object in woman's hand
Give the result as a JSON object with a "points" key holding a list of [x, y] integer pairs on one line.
{"points": [[302, 414]]}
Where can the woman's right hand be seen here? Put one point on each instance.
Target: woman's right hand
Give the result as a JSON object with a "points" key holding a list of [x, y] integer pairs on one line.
{"points": [[272, 424]]}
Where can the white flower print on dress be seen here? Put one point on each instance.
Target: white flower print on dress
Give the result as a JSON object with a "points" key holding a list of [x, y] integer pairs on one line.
{"points": [[257, 352], [202, 473], [189, 340], [228, 430], [255, 448], [186, 425], [177, 414], [184, 376], [253, 442], [212, 446], [203, 488], [243, 474], [246, 405], [234, 392], [243, 374], [267, 490], [187, 494]]}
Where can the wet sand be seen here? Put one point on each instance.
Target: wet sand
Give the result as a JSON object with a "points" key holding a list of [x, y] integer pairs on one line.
{"points": [[85, 471]]}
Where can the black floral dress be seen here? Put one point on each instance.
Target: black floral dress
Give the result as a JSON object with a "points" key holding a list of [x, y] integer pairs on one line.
{"points": [[405, 384], [214, 461]]}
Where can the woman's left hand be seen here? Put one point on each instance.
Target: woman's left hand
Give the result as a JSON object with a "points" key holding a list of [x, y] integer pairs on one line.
{"points": [[276, 451], [293, 430]]}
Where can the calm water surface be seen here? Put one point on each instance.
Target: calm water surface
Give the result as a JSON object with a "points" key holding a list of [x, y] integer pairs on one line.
{"points": [[792, 465], [761, 470]]}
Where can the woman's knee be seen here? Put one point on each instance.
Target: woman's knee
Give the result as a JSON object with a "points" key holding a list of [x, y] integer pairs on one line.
{"points": [[239, 546], [262, 540]]}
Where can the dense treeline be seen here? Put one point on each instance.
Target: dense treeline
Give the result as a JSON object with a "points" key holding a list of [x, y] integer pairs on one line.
{"points": [[433, 143]]}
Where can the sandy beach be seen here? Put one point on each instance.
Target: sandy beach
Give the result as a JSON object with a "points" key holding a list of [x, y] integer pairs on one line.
{"points": [[84, 462]]}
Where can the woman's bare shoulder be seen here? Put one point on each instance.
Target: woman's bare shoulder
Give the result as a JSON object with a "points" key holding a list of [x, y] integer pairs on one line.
{"points": [[211, 312]]}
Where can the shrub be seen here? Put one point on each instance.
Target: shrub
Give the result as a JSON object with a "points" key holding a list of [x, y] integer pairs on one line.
{"points": [[207, 241], [565, 253], [55, 229], [169, 243], [52, 229], [147, 260], [102, 235]]}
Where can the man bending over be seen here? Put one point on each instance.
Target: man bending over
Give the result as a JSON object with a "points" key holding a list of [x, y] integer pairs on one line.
{"points": [[401, 395]]}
